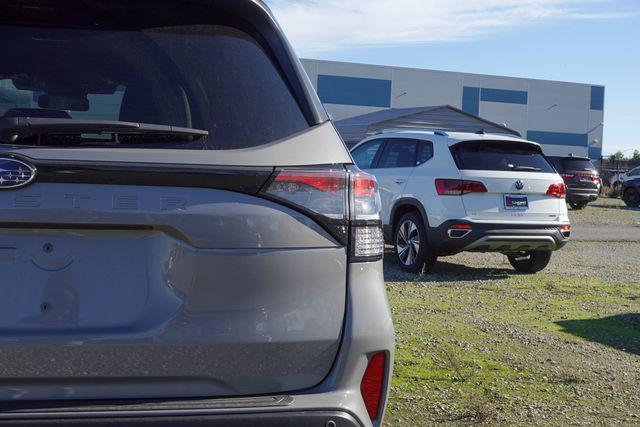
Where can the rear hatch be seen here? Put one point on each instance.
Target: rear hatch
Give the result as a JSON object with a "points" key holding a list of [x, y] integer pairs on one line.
{"points": [[578, 173], [148, 261], [519, 183]]}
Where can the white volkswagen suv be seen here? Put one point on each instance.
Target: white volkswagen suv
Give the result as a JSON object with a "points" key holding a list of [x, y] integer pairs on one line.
{"points": [[445, 193]]}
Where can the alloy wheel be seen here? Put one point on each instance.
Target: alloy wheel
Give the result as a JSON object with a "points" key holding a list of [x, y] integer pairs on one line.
{"points": [[408, 242]]}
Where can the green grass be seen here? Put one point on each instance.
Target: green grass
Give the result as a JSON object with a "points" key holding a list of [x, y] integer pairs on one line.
{"points": [[521, 350]]}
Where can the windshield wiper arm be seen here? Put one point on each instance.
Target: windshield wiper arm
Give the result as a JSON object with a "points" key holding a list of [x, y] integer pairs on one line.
{"points": [[15, 128]]}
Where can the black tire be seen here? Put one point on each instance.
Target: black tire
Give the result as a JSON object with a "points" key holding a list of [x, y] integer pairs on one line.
{"points": [[578, 205], [631, 197], [530, 262], [411, 246]]}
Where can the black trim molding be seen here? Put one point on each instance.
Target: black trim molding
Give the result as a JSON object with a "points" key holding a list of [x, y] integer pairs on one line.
{"points": [[232, 178]]}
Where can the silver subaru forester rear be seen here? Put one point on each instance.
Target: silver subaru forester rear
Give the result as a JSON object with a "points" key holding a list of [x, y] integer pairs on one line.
{"points": [[184, 239]]}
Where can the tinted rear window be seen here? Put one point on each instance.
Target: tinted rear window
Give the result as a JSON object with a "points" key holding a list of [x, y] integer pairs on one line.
{"points": [[578, 165], [211, 77], [500, 156]]}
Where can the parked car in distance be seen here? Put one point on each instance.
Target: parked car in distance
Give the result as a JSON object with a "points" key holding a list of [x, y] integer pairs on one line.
{"points": [[445, 193], [630, 192], [184, 238], [581, 177], [620, 178]]}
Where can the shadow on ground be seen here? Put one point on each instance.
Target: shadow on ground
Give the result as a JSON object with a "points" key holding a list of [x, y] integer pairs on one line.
{"points": [[621, 332], [443, 271], [614, 207]]}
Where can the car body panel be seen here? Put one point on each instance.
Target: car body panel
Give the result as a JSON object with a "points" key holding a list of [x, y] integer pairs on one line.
{"points": [[392, 182], [165, 290], [490, 206]]}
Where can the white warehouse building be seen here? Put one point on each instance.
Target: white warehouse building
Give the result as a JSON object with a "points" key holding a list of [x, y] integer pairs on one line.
{"points": [[565, 118]]}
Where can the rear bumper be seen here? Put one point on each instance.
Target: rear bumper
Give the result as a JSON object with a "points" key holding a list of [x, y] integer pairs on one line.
{"points": [[577, 195], [289, 419], [503, 238], [336, 401]]}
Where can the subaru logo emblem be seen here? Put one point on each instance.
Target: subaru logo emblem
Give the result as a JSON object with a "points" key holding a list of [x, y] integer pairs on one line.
{"points": [[519, 184], [15, 173]]}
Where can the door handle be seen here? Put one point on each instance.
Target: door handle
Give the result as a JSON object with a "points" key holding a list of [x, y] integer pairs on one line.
{"points": [[401, 181]]}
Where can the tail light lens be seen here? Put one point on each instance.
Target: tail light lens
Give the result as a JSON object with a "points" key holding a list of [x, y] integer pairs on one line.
{"points": [[346, 202], [372, 384], [592, 177], [558, 190], [323, 192], [569, 176], [458, 187]]}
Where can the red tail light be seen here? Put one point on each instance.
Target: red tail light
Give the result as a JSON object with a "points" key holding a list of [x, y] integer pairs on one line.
{"points": [[372, 384], [458, 187], [569, 176], [331, 181], [558, 190], [346, 202], [592, 177], [364, 185]]}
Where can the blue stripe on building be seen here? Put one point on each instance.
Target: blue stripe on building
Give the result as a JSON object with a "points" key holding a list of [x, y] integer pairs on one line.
{"points": [[559, 138], [505, 96], [354, 91], [595, 153], [471, 100], [597, 98]]}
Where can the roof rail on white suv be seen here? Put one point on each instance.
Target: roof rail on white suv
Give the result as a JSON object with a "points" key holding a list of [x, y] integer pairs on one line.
{"points": [[439, 132], [449, 192]]}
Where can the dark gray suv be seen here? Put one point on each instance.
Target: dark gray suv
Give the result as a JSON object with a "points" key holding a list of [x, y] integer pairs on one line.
{"points": [[184, 239]]}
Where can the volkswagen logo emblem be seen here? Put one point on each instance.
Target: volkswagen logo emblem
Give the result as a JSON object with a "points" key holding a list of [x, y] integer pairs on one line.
{"points": [[15, 173], [519, 184]]}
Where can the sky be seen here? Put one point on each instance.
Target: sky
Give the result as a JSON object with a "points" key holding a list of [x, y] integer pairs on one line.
{"points": [[583, 41]]}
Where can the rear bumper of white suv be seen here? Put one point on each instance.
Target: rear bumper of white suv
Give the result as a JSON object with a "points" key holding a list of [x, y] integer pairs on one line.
{"points": [[453, 237]]}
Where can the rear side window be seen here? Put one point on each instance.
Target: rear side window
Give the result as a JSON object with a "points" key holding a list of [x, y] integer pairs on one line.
{"points": [[398, 153], [425, 152], [366, 154], [500, 156], [210, 77]]}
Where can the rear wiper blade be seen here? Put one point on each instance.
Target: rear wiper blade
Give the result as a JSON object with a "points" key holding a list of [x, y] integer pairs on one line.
{"points": [[13, 129]]}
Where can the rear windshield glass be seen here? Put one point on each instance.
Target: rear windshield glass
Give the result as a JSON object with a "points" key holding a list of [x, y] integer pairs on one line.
{"points": [[500, 156], [577, 165], [207, 77]]}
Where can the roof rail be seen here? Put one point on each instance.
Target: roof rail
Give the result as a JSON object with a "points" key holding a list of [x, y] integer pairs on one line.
{"points": [[438, 132]]}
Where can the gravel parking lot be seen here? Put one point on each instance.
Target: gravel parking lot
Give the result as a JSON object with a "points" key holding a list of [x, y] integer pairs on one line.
{"points": [[478, 343]]}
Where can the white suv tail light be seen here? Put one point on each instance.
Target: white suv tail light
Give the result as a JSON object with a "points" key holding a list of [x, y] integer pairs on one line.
{"points": [[558, 190], [458, 187], [345, 202]]}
